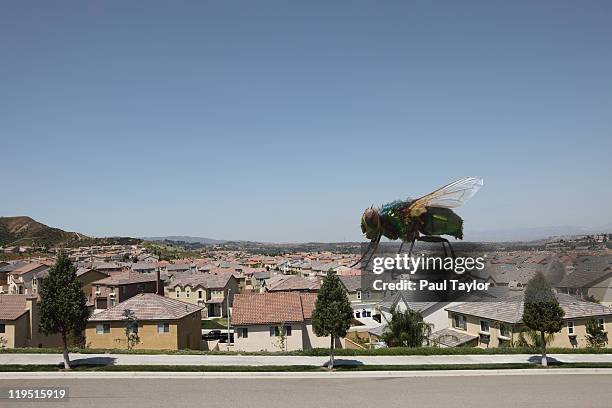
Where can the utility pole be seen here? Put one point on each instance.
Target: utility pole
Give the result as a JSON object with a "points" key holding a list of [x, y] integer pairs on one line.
{"points": [[228, 318]]}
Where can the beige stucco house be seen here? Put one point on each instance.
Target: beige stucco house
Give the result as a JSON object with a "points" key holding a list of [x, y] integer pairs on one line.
{"points": [[19, 319], [163, 324], [276, 321], [499, 323], [214, 292]]}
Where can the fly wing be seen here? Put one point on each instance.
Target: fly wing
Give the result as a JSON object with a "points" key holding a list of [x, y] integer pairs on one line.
{"points": [[452, 195]]}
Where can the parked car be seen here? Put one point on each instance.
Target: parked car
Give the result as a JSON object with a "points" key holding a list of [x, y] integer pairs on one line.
{"points": [[223, 338], [213, 335]]}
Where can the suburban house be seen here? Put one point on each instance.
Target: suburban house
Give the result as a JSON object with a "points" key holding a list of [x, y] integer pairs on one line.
{"points": [[145, 267], [20, 280], [276, 321], [363, 301], [258, 280], [119, 287], [591, 278], [163, 324], [19, 318], [292, 283], [5, 270], [499, 323], [87, 277], [148, 258], [177, 268], [209, 290]]}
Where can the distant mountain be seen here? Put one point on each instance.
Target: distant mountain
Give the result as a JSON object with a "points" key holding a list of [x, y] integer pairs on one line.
{"points": [[24, 231], [531, 234], [184, 238]]}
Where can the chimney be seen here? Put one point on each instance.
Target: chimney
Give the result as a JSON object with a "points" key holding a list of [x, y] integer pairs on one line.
{"points": [[159, 289]]}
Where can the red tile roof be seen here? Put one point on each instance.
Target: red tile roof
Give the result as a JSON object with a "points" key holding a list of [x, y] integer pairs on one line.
{"points": [[278, 307]]}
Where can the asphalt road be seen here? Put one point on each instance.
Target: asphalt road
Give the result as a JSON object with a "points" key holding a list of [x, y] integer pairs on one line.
{"points": [[534, 391]]}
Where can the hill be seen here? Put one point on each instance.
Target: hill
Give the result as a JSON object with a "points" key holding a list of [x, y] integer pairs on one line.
{"points": [[187, 239], [25, 231]]}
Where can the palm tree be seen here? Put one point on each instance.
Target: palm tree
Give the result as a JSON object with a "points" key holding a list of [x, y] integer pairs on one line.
{"points": [[406, 329]]}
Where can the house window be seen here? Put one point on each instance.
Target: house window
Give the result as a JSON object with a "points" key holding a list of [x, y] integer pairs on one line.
{"points": [[113, 302], [178, 292], [103, 328], [97, 288], [287, 330], [200, 294], [2, 328], [243, 332], [357, 314], [187, 293], [273, 331], [601, 324], [358, 294], [504, 330], [484, 326], [163, 327], [459, 322], [570, 328]]}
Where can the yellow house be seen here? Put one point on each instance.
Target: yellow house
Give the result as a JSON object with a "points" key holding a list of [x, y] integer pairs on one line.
{"points": [[214, 292], [499, 323], [19, 323], [163, 324]]}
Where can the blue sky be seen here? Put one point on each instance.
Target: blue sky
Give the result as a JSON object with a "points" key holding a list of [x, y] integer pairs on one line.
{"points": [[282, 121]]}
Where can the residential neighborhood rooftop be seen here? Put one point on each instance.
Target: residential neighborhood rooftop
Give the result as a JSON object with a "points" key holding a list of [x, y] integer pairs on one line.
{"points": [[204, 280], [126, 278], [12, 306], [510, 310], [278, 307], [148, 306]]}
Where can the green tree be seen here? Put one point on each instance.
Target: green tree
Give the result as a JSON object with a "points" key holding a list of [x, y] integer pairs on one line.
{"points": [[333, 312], [131, 329], [596, 336], [63, 308], [542, 312], [406, 329]]}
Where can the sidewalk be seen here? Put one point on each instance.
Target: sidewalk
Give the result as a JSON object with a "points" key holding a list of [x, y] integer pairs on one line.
{"points": [[236, 360], [64, 375]]}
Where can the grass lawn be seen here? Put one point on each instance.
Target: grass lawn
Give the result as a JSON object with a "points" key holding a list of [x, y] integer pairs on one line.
{"points": [[220, 323]]}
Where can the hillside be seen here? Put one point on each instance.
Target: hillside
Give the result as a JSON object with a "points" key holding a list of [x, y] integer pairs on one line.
{"points": [[25, 231]]}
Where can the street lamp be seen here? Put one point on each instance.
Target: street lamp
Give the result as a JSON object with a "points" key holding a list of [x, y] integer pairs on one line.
{"points": [[228, 317]]}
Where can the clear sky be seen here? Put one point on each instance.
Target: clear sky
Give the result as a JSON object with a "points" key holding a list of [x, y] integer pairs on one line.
{"points": [[283, 120]]}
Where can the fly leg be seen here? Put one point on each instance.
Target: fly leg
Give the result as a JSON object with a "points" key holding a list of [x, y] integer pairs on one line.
{"points": [[443, 241], [411, 247], [372, 246]]}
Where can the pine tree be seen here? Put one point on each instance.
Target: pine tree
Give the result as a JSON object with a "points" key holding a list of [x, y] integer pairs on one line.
{"points": [[63, 305], [333, 312], [542, 312]]}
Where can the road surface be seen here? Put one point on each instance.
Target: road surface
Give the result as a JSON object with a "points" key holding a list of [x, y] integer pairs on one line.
{"points": [[473, 391]]}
